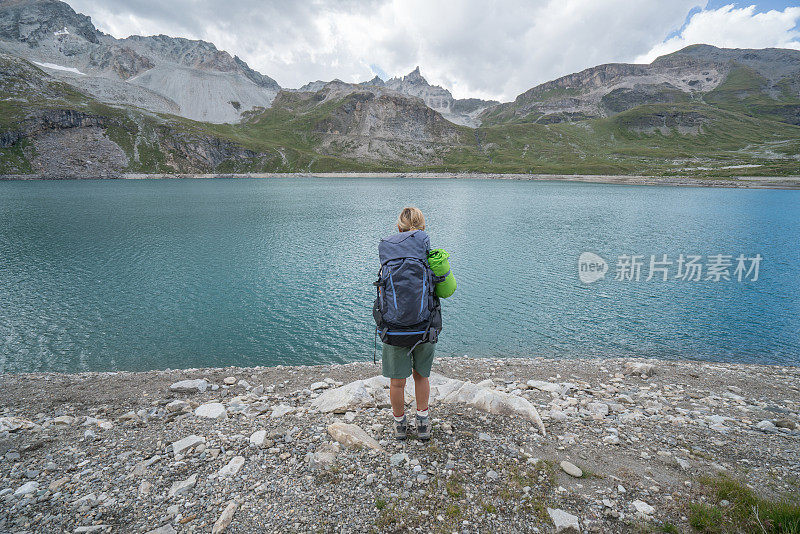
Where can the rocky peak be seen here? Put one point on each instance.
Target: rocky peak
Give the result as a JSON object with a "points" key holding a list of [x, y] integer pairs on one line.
{"points": [[376, 81], [196, 54], [771, 63], [414, 77], [32, 21]]}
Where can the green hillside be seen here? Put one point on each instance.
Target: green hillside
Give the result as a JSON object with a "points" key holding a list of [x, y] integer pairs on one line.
{"points": [[745, 126]]}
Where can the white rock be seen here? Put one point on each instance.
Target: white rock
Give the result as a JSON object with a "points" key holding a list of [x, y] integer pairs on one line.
{"points": [[557, 415], [281, 410], [373, 392], [489, 400], [318, 385], [211, 410], [229, 380], [643, 508], [639, 368], [224, 520], [28, 487], [232, 467], [544, 386], [164, 529], [339, 400], [187, 443], [352, 436], [571, 469], [258, 438], [199, 385], [182, 487], [563, 521]]}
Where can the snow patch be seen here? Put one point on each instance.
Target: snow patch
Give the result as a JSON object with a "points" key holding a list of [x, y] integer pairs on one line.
{"points": [[59, 67], [65, 31]]}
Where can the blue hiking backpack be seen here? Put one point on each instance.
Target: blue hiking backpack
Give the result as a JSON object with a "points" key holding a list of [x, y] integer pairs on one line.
{"points": [[406, 310]]}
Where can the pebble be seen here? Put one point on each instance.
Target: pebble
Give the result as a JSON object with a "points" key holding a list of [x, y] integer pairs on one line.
{"points": [[258, 438], [643, 508], [571, 469]]}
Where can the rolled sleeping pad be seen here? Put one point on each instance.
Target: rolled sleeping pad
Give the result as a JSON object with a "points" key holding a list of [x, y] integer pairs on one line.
{"points": [[437, 259]]}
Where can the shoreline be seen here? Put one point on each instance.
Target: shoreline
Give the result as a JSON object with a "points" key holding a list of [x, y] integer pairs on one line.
{"points": [[739, 182], [97, 450]]}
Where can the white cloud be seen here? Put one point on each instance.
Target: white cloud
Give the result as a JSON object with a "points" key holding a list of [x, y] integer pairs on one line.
{"points": [[473, 47], [732, 27]]}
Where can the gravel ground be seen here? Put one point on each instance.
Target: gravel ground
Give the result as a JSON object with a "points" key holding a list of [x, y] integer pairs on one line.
{"points": [[94, 452]]}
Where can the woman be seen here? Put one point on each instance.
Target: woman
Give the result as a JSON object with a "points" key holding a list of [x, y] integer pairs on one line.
{"points": [[408, 316]]}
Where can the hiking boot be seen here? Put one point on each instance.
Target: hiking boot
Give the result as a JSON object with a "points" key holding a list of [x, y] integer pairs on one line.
{"points": [[401, 429], [424, 428]]}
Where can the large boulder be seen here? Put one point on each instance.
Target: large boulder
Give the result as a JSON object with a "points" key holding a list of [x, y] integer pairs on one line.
{"points": [[374, 392], [361, 393]]}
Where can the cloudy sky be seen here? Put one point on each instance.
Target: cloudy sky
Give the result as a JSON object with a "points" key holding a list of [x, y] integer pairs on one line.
{"points": [[487, 49]]}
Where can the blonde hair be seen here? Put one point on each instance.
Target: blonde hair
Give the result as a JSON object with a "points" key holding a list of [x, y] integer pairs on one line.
{"points": [[410, 219]]}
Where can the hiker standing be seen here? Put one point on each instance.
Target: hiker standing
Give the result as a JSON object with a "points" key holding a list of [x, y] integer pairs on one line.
{"points": [[408, 317]]}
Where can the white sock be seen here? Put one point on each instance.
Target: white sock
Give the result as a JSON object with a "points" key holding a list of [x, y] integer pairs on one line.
{"points": [[399, 419], [422, 413]]}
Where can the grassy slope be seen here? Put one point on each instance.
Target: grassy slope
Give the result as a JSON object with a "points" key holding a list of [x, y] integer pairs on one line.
{"points": [[288, 136]]}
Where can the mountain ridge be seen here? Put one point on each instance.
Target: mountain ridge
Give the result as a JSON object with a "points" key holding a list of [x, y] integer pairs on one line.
{"points": [[160, 104]]}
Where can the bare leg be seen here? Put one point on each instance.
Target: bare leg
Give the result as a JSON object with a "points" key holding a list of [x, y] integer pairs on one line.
{"points": [[422, 389], [397, 388]]}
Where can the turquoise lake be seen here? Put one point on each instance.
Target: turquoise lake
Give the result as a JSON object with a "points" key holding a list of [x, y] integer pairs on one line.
{"points": [[153, 274]]}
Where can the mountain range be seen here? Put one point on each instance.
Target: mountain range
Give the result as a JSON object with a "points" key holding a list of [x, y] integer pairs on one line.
{"points": [[75, 102]]}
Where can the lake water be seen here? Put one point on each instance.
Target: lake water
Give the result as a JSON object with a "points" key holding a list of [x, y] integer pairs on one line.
{"points": [[135, 275]]}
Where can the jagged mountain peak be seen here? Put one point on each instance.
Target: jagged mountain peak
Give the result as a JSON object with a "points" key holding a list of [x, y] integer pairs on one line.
{"points": [[415, 77], [377, 81]]}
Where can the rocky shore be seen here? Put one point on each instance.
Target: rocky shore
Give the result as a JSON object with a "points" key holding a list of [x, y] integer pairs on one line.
{"points": [[739, 182], [623, 446]]}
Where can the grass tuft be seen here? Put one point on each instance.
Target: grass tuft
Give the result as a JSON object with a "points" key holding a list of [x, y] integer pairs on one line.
{"points": [[745, 510]]}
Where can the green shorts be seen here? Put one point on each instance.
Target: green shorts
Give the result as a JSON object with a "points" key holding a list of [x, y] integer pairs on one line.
{"points": [[397, 363]]}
